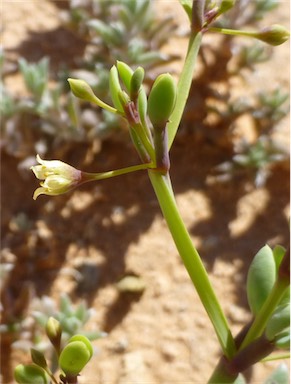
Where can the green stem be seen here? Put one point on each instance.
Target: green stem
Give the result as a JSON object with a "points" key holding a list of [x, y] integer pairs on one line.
{"points": [[233, 32], [280, 356], [142, 135], [192, 261], [259, 324], [184, 84], [106, 106], [86, 177]]}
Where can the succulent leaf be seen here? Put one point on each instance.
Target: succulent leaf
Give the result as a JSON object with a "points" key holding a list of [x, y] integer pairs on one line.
{"points": [[261, 278]]}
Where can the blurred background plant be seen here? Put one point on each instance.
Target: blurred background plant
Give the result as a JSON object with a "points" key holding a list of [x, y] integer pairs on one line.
{"points": [[216, 115]]}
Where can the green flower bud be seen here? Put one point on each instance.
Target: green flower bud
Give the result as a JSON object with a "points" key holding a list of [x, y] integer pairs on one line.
{"points": [[115, 88], [162, 100], [54, 332], [278, 321], [125, 73], [274, 35], [261, 278], [225, 6], [38, 358], [75, 355], [123, 99], [30, 374], [83, 91], [142, 105], [136, 83]]}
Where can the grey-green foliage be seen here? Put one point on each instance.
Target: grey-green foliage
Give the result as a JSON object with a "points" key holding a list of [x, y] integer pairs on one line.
{"points": [[72, 318], [279, 375], [256, 158]]}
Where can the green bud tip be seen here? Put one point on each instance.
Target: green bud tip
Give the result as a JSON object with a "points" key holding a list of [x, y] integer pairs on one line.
{"points": [[81, 89], [226, 5], [54, 332], [53, 328], [136, 82], [273, 35], [38, 358], [162, 100]]}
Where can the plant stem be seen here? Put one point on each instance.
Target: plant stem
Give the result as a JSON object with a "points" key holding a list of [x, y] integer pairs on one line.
{"points": [[266, 311], [192, 261], [233, 32], [184, 84], [86, 176], [280, 356]]}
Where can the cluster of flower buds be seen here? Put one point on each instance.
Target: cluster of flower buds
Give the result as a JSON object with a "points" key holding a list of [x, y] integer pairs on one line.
{"points": [[147, 119], [72, 358]]}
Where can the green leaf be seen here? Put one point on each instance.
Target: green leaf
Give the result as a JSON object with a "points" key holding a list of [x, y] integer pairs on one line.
{"points": [[187, 5], [162, 99], [125, 73], [30, 374], [261, 278], [278, 252], [75, 355]]}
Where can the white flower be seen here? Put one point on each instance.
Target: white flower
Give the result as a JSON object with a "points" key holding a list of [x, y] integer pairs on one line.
{"points": [[58, 177]]}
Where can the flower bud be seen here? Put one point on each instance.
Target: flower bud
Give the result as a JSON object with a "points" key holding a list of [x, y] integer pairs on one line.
{"points": [[142, 104], [115, 88], [123, 99], [162, 100], [75, 355], [136, 83], [225, 6], [274, 35], [82, 90], [30, 374], [54, 332], [38, 358], [125, 73], [261, 278]]}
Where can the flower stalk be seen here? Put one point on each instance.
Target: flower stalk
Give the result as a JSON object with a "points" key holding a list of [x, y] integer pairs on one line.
{"points": [[192, 261], [58, 177], [273, 35]]}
